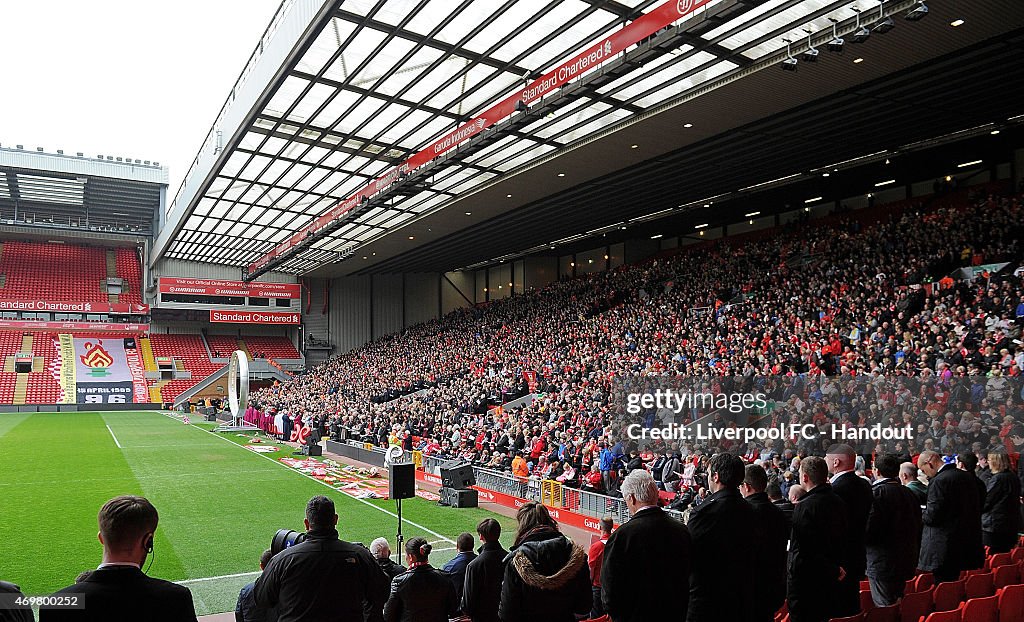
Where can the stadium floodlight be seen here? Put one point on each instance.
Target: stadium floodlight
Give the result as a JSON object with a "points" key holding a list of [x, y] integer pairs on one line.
{"points": [[884, 23], [811, 55], [917, 13], [861, 34], [836, 44], [790, 64]]}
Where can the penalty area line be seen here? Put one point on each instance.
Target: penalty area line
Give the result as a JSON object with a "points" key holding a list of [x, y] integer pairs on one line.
{"points": [[114, 437], [310, 477]]}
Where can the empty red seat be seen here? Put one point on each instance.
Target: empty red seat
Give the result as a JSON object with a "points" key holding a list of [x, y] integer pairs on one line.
{"points": [[979, 586], [924, 581], [883, 614], [1011, 603], [948, 595], [980, 610], [944, 616], [999, 559]]}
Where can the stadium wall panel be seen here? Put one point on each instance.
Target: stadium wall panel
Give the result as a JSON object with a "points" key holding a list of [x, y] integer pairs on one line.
{"points": [[451, 286], [421, 297], [388, 304], [197, 270], [499, 278], [480, 288], [539, 271], [636, 251], [316, 320], [351, 318], [589, 262]]}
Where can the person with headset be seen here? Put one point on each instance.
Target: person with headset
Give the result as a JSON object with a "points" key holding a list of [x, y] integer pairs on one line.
{"points": [[119, 589]]}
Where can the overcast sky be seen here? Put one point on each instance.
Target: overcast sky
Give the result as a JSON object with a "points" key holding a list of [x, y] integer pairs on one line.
{"points": [[133, 78]]}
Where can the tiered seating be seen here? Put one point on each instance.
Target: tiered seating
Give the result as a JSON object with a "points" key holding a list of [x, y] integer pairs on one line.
{"points": [[128, 268], [188, 349], [10, 344], [225, 344], [43, 388], [52, 272], [271, 347]]}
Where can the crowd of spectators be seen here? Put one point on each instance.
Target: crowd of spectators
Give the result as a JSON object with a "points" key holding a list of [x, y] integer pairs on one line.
{"points": [[873, 296]]}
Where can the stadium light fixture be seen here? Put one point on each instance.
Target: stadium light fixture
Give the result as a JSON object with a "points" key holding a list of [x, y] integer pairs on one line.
{"points": [[655, 237], [752, 214], [861, 34], [994, 132], [811, 54], [825, 174], [687, 125], [790, 63], [836, 44], [858, 61], [884, 23], [971, 163], [956, 23], [917, 13], [701, 226], [813, 199], [469, 213], [885, 183]]}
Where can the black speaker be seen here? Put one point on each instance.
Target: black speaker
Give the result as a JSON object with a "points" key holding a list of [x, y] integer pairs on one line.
{"points": [[211, 417], [456, 474], [402, 480], [452, 497], [312, 450]]}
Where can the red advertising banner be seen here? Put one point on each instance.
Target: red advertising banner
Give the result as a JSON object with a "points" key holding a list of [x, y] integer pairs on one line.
{"points": [[645, 26], [92, 327], [253, 317], [72, 307], [208, 287]]}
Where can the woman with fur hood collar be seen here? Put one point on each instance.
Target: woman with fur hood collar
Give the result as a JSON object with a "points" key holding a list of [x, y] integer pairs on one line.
{"points": [[546, 573]]}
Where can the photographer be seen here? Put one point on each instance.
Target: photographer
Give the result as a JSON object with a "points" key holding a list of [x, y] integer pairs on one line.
{"points": [[322, 578]]}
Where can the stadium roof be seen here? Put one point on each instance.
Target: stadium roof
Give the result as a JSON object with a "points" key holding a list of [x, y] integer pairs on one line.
{"points": [[340, 93], [75, 192]]}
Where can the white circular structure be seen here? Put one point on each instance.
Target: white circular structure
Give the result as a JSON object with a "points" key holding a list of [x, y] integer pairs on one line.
{"points": [[394, 455], [238, 384]]}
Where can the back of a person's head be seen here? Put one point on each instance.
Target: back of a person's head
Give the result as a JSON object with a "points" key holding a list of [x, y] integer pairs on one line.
{"points": [[640, 485], [464, 543], [607, 524], [755, 476], [380, 548], [728, 467], [532, 517], [265, 558], [320, 513], [125, 520], [908, 470], [418, 548], [969, 460], [489, 529], [815, 469], [774, 490], [888, 466]]}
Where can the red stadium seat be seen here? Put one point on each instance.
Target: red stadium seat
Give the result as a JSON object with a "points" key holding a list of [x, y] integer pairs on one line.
{"points": [[979, 586], [1011, 603], [857, 618], [1017, 554], [1005, 575], [915, 606], [981, 610], [866, 604], [948, 595], [883, 614], [925, 580], [999, 559], [944, 616]]}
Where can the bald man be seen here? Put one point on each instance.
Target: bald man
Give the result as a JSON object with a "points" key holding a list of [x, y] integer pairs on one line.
{"points": [[855, 492], [951, 541]]}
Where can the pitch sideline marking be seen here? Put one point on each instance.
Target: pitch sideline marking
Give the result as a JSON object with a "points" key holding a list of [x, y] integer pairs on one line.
{"points": [[223, 576], [114, 437], [310, 477]]}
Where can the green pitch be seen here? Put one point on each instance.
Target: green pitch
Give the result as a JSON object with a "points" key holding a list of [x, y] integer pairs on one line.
{"points": [[219, 503]]}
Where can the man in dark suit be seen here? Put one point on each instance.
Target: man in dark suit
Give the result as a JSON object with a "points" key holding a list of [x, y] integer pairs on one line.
{"points": [[482, 592], [723, 530], [893, 535], [14, 614], [855, 491], [968, 463], [456, 568], [118, 589], [951, 541], [771, 538], [647, 560], [816, 550], [774, 492]]}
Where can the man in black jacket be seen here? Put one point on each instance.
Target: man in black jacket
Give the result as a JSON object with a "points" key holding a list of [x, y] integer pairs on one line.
{"points": [[816, 550], [482, 592], [774, 492], [855, 491], [323, 578], [646, 560], [381, 551], [118, 589], [951, 541], [771, 538], [723, 530], [968, 463], [893, 535], [14, 614]]}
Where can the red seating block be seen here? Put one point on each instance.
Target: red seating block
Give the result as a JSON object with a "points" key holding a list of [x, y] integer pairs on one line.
{"points": [[981, 610]]}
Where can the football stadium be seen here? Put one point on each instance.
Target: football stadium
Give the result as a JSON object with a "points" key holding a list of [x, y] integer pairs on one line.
{"points": [[534, 310]]}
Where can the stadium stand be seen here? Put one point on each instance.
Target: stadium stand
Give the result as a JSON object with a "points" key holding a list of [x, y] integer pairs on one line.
{"points": [[857, 293], [190, 354], [222, 345], [271, 347], [130, 271], [60, 272]]}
